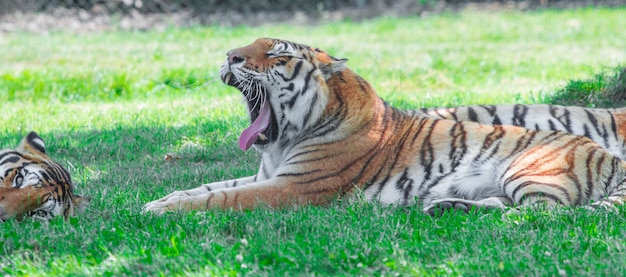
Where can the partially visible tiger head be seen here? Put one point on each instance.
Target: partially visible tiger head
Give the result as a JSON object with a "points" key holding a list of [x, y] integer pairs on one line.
{"points": [[33, 185], [284, 84]]}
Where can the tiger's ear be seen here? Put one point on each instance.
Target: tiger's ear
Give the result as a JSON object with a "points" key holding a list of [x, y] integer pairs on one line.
{"points": [[328, 63], [334, 65], [33, 144]]}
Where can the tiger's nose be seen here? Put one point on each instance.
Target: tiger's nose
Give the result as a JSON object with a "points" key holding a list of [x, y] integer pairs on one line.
{"points": [[234, 57]]}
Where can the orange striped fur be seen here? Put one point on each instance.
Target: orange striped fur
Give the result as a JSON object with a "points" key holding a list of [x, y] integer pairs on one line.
{"points": [[329, 134]]}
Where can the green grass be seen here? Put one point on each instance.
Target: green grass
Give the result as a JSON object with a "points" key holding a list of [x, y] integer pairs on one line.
{"points": [[605, 89], [110, 106]]}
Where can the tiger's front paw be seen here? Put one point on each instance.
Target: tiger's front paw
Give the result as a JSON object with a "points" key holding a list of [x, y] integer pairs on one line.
{"points": [[438, 207], [172, 202], [155, 207]]}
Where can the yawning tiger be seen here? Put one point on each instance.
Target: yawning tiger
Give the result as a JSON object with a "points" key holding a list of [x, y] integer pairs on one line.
{"points": [[324, 132]]}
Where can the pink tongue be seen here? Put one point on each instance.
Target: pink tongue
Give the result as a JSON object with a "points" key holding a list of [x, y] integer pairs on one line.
{"points": [[251, 134]]}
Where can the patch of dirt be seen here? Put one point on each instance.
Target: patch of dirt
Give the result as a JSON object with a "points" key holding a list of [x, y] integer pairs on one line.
{"points": [[98, 18]]}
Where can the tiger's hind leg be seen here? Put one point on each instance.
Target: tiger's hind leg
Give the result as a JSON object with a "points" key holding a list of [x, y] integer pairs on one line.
{"points": [[439, 206]]}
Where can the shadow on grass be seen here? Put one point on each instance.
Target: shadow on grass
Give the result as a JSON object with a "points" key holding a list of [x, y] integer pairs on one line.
{"points": [[122, 168]]}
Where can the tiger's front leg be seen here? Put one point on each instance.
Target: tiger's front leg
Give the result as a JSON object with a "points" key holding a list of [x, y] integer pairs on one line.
{"points": [[274, 193], [203, 189]]}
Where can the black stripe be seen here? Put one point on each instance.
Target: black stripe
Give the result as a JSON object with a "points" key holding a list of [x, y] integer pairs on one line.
{"points": [[296, 71], [264, 170], [519, 115], [496, 120], [2, 155], [288, 88], [523, 142], [304, 89], [586, 133], [494, 137], [459, 142], [405, 184], [288, 174], [426, 152], [591, 174], [614, 126], [551, 124], [312, 104], [472, 114], [300, 154], [13, 159], [594, 123], [542, 194], [564, 119], [362, 84], [420, 127]]}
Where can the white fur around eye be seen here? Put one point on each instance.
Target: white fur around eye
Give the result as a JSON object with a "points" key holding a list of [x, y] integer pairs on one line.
{"points": [[30, 177]]}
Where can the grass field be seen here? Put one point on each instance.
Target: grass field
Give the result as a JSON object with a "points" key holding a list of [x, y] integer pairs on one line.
{"points": [[111, 106]]}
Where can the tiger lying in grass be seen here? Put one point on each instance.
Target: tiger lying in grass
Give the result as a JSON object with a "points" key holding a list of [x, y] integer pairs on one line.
{"points": [[34, 185], [323, 132]]}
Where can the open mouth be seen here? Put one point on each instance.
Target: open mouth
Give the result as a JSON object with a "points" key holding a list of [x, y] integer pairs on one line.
{"points": [[262, 129]]}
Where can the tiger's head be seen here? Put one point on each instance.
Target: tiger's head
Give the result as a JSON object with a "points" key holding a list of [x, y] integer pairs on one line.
{"points": [[32, 184], [284, 85]]}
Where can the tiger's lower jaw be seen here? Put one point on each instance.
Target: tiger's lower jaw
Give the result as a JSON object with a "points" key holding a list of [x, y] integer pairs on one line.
{"points": [[228, 79], [266, 130]]}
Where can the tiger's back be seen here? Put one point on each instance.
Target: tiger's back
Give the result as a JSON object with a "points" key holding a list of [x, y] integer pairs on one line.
{"points": [[607, 127], [33, 185]]}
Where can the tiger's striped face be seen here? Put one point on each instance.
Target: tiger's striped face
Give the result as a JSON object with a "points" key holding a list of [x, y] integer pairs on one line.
{"points": [[284, 86], [32, 184]]}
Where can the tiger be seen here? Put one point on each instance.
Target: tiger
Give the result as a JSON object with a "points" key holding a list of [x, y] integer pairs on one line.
{"points": [[323, 133], [607, 127], [34, 185]]}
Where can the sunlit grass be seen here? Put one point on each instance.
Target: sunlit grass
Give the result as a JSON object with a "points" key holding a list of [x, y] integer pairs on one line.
{"points": [[111, 106]]}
